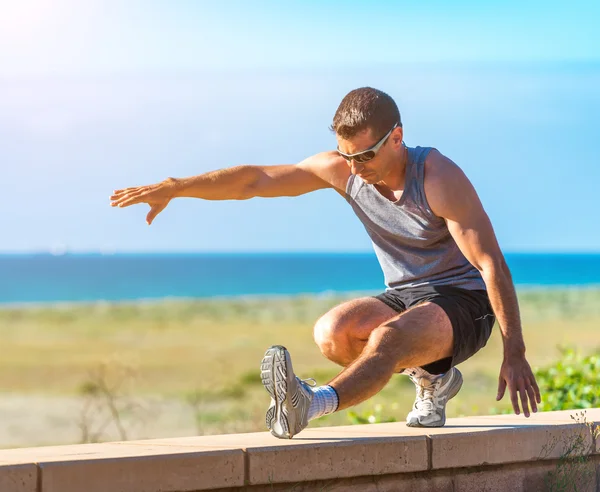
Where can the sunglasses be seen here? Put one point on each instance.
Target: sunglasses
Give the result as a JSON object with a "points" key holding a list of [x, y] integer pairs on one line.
{"points": [[370, 153]]}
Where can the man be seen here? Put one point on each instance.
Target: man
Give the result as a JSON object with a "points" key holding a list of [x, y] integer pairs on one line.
{"points": [[446, 278]]}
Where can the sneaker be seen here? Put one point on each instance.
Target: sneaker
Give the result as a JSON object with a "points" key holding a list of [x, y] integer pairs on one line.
{"points": [[429, 409], [290, 397]]}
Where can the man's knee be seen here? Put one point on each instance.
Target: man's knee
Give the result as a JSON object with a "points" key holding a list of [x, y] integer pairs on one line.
{"points": [[331, 333], [342, 332]]}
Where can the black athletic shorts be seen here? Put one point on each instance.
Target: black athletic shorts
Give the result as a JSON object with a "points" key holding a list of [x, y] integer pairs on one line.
{"points": [[469, 311]]}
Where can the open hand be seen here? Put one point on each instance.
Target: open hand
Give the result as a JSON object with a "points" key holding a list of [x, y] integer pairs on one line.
{"points": [[157, 196], [517, 375]]}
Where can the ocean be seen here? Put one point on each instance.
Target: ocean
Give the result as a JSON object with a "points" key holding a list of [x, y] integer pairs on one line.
{"points": [[40, 278]]}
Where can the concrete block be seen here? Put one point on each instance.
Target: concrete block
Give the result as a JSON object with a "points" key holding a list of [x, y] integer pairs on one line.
{"points": [[18, 478], [132, 468], [496, 445], [382, 483], [521, 479], [526, 477], [179, 472], [317, 454], [335, 460]]}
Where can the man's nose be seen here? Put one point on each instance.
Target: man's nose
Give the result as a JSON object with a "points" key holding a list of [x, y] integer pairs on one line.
{"points": [[356, 167]]}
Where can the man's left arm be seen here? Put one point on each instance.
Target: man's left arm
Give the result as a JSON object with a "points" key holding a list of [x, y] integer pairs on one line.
{"points": [[452, 196]]}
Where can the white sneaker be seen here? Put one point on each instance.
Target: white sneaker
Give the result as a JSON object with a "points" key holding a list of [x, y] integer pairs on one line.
{"points": [[290, 397], [429, 409]]}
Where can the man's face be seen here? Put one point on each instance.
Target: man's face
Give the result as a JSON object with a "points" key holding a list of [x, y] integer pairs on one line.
{"points": [[378, 167]]}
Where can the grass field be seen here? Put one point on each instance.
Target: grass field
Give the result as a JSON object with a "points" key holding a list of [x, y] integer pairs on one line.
{"points": [[195, 363]]}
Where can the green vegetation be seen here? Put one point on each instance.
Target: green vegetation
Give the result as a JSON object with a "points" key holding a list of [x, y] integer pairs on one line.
{"points": [[204, 354], [571, 383]]}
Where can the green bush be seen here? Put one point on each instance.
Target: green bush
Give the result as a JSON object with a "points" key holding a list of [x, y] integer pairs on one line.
{"points": [[571, 383]]}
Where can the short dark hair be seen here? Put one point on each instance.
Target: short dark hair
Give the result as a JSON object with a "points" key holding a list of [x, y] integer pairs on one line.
{"points": [[365, 108]]}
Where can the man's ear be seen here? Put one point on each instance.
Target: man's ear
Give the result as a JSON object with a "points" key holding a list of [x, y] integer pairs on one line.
{"points": [[397, 136]]}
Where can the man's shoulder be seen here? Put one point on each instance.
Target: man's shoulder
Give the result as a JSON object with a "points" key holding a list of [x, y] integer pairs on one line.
{"points": [[444, 182], [329, 159], [329, 166], [440, 168]]}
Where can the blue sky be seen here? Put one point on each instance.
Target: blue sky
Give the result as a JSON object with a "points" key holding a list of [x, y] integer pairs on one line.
{"points": [[100, 95]]}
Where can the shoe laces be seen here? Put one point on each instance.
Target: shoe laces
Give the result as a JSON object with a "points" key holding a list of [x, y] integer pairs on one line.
{"points": [[426, 394], [312, 382], [307, 385]]}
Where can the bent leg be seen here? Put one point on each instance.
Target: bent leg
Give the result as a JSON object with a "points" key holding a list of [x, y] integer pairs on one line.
{"points": [[374, 342], [343, 332], [419, 336]]}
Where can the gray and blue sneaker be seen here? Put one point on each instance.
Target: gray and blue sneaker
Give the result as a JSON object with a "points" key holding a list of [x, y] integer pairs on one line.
{"points": [[429, 409], [290, 397]]}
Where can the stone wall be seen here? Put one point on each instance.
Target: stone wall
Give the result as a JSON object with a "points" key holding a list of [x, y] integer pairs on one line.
{"points": [[487, 453]]}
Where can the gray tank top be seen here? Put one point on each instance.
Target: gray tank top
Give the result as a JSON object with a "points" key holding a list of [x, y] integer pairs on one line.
{"points": [[413, 246]]}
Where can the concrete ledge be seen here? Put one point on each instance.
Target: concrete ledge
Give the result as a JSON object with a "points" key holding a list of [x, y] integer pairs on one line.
{"points": [[18, 478], [460, 456]]}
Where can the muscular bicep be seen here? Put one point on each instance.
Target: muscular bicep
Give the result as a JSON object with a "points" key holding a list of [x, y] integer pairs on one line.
{"points": [[315, 173], [452, 196], [286, 180]]}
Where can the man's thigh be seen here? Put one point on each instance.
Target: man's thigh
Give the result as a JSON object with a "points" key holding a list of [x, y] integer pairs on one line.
{"points": [[421, 335], [427, 330], [469, 317], [357, 318]]}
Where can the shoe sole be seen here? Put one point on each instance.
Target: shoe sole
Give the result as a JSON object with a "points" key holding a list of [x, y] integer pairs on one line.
{"points": [[442, 422], [274, 372]]}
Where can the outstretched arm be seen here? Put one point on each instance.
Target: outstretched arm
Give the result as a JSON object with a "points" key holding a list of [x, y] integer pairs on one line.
{"points": [[237, 183], [452, 196]]}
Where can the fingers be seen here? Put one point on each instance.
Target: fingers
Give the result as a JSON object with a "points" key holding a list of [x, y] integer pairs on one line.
{"points": [[523, 395], [521, 385], [514, 399], [531, 396], [527, 395], [154, 211], [130, 198], [117, 193], [501, 388], [536, 389], [139, 194]]}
